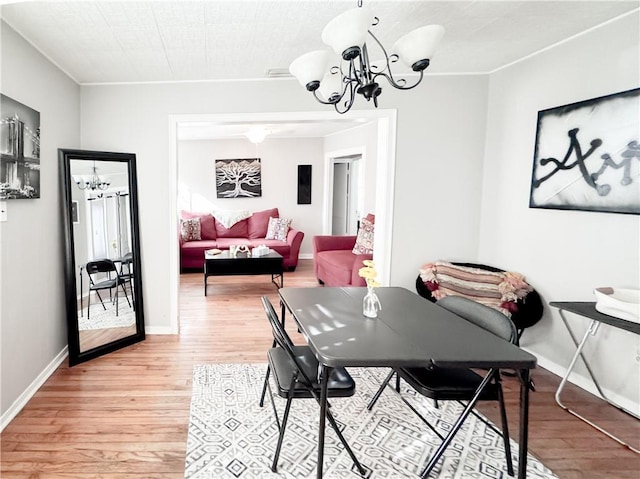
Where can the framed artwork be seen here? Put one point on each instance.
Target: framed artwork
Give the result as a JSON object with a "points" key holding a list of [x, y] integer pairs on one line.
{"points": [[587, 155], [19, 150], [238, 178], [304, 184]]}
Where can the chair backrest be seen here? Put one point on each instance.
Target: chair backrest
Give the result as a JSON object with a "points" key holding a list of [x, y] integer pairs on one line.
{"points": [[101, 266], [282, 339], [487, 318]]}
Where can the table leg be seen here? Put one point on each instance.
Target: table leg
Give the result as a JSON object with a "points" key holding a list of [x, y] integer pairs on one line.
{"points": [[525, 378], [592, 329], [324, 371]]}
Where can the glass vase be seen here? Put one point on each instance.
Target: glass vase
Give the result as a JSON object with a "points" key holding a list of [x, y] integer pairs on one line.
{"points": [[370, 304]]}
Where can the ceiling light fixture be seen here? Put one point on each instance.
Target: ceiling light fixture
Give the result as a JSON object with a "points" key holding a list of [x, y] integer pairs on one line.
{"points": [[94, 183], [257, 134], [346, 34]]}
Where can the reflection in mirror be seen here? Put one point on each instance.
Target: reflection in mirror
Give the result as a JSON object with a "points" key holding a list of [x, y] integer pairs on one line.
{"points": [[103, 280]]}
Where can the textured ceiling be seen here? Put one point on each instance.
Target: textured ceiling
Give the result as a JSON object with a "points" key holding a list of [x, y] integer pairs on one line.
{"points": [[158, 41], [126, 41]]}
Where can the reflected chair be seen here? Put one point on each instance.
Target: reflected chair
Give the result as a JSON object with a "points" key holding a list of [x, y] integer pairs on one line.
{"points": [[112, 280], [456, 384], [295, 371], [127, 273]]}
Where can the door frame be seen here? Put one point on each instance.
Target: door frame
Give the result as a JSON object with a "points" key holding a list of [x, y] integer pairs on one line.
{"points": [[331, 158], [385, 184]]}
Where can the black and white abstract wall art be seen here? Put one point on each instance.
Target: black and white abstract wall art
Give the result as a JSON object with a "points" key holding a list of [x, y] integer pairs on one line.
{"points": [[238, 178], [19, 150], [587, 155]]}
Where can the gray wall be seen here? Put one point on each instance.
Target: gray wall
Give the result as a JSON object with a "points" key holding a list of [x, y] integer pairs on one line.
{"points": [[565, 254], [33, 327]]}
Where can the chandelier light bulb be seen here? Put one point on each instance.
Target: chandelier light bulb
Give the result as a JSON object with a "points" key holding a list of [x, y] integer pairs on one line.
{"points": [[257, 134], [310, 68], [416, 48], [347, 32]]}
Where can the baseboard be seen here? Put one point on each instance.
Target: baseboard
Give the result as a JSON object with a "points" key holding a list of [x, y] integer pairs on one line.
{"points": [[585, 383], [305, 256], [160, 330], [28, 393]]}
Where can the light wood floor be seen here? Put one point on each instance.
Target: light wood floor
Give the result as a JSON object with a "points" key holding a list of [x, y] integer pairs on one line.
{"points": [[125, 415]]}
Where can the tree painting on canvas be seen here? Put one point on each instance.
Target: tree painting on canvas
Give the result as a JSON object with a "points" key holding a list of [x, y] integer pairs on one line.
{"points": [[238, 178]]}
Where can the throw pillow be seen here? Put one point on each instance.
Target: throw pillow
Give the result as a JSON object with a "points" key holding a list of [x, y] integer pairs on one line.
{"points": [[278, 229], [259, 223], [364, 240], [207, 224], [190, 229]]}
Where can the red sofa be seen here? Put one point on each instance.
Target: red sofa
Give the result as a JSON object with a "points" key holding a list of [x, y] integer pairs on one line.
{"points": [[334, 262], [250, 231]]}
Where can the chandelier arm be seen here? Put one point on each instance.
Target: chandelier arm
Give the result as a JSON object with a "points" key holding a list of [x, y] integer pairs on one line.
{"points": [[400, 86], [349, 103], [388, 59], [315, 94]]}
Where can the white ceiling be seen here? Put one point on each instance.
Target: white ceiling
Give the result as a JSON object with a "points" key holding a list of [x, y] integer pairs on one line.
{"points": [[151, 41]]}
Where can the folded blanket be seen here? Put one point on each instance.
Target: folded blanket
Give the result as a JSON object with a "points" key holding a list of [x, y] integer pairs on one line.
{"points": [[499, 290], [228, 218]]}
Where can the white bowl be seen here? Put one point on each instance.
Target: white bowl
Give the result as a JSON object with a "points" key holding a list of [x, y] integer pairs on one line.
{"points": [[619, 302]]}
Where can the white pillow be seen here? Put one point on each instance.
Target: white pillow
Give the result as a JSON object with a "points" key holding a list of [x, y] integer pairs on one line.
{"points": [[278, 229]]}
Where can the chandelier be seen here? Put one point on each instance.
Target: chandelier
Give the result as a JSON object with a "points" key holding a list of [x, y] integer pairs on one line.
{"points": [[357, 74], [94, 183]]}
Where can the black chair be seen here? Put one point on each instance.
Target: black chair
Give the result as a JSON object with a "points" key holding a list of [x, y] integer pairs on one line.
{"points": [[460, 385], [126, 272], [295, 371], [529, 309], [112, 280]]}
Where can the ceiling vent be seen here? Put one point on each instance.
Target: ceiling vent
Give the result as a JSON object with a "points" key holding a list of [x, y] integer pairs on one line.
{"points": [[278, 73]]}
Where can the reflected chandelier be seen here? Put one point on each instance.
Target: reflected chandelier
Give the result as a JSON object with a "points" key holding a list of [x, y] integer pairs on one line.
{"points": [[356, 74], [94, 183]]}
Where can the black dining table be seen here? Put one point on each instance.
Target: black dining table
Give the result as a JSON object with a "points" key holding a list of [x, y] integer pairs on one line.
{"points": [[408, 332]]}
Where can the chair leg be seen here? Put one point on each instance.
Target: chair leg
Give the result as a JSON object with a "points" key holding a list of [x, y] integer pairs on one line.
{"points": [[274, 466], [376, 396], [333, 423], [266, 383], [100, 298], [125, 293]]}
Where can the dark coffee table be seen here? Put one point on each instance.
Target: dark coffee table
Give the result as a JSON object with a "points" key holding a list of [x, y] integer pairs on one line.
{"points": [[223, 264]]}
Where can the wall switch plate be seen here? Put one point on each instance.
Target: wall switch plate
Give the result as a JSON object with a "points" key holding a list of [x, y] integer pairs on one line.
{"points": [[3, 211]]}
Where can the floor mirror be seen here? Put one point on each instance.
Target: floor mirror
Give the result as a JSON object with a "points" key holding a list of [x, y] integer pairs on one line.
{"points": [[103, 285]]}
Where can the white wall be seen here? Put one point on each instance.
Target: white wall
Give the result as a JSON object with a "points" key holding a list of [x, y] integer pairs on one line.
{"points": [[279, 160], [33, 326], [564, 254], [438, 177]]}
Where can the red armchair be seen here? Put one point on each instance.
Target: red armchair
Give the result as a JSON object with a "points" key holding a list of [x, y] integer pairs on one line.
{"points": [[334, 262]]}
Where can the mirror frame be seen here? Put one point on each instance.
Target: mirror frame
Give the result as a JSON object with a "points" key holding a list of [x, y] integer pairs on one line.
{"points": [[65, 156]]}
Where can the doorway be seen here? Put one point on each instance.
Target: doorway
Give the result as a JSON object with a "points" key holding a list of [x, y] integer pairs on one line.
{"points": [[346, 187], [385, 160]]}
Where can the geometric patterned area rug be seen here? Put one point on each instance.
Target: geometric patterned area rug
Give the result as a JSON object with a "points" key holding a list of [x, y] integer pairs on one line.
{"points": [[231, 436], [101, 319]]}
